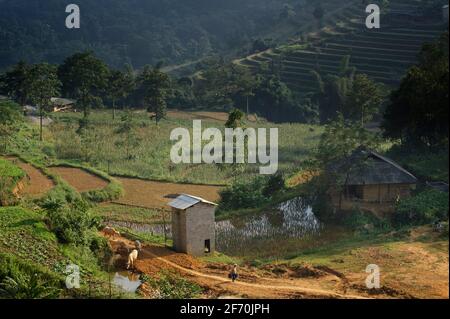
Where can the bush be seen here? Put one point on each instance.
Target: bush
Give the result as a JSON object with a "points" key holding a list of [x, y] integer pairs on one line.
{"points": [[426, 207], [244, 194], [171, 286], [363, 221], [275, 184], [71, 222]]}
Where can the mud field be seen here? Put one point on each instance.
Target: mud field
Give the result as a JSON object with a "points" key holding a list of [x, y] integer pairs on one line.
{"points": [[36, 183], [79, 179], [151, 194]]}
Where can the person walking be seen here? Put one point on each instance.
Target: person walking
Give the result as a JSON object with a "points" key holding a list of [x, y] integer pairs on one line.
{"points": [[234, 273]]}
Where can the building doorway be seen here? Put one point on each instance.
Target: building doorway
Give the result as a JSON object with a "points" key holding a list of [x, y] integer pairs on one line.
{"points": [[207, 246]]}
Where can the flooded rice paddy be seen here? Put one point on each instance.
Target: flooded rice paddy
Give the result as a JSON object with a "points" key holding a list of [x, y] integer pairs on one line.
{"points": [[291, 226]]}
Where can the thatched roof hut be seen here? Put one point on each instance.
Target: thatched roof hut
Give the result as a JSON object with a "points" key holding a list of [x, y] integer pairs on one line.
{"points": [[369, 176]]}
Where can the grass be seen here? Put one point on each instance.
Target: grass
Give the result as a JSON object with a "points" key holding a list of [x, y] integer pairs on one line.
{"points": [[10, 175], [122, 213], [221, 258], [151, 159], [9, 170]]}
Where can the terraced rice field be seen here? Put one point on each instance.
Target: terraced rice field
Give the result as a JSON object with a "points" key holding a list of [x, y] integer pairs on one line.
{"points": [[79, 179], [151, 194], [384, 54], [36, 182]]}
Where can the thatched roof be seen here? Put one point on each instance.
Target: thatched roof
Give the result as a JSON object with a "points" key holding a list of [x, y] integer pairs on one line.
{"points": [[370, 168]]}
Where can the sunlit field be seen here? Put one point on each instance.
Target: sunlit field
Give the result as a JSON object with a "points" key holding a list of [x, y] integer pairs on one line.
{"points": [[151, 158]]}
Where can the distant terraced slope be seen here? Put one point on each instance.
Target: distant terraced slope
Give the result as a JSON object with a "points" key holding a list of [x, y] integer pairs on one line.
{"points": [[384, 54]]}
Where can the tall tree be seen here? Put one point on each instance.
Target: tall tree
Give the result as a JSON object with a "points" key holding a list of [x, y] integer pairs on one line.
{"points": [[14, 82], [43, 84], [127, 132], [246, 85], [84, 78], [418, 109], [318, 14], [155, 86], [363, 100], [120, 86], [336, 152]]}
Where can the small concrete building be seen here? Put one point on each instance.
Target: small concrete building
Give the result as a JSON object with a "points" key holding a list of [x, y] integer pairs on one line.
{"points": [[193, 225]]}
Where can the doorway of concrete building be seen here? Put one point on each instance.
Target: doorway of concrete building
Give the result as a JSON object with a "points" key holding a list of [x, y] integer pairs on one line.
{"points": [[207, 246]]}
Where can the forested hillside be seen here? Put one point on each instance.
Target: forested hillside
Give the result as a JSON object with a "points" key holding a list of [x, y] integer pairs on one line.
{"points": [[144, 31]]}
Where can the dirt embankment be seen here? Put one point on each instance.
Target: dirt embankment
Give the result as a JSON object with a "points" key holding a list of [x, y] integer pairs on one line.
{"points": [[36, 183]]}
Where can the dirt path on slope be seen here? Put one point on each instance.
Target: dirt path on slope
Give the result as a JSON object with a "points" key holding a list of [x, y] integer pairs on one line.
{"points": [[36, 183], [79, 179], [213, 277], [151, 194]]}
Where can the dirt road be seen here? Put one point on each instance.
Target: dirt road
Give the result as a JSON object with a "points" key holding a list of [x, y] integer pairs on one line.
{"points": [[252, 283]]}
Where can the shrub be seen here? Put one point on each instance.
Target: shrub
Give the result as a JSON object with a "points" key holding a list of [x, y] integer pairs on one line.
{"points": [[71, 222], [243, 194], [426, 207], [275, 184], [19, 280], [363, 221], [171, 286]]}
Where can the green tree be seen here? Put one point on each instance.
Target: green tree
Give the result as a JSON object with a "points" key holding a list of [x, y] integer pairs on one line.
{"points": [[120, 86], [418, 109], [363, 100], [318, 14], [337, 154], [341, 138], [128, 135], [235, 117], [43, 84], [14, 82], [155, 87], [246, 84], [84, 78]]}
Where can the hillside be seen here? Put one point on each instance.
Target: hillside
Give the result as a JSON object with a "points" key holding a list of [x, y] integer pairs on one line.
{"points": [[384, 54], [145, 32]]}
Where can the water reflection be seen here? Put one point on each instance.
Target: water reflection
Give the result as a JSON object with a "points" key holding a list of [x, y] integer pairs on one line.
{"points": [[127, 280], [291, 219]]}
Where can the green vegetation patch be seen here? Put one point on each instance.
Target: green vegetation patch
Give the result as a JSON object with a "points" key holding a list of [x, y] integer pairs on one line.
{"points": [[9, 170]]}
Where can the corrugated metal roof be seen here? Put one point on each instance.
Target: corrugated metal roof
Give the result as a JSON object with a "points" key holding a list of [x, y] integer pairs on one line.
{"points": [[184, 201]]}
